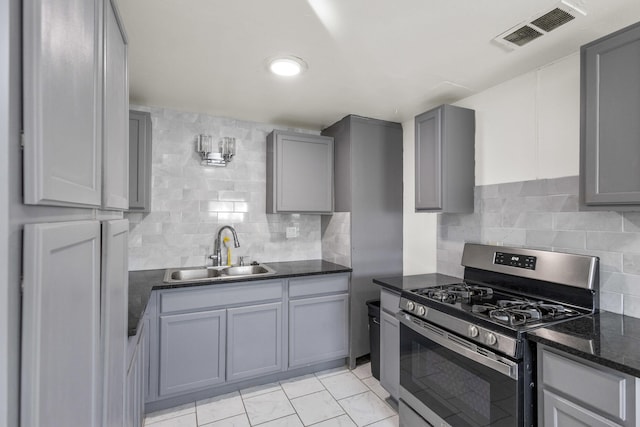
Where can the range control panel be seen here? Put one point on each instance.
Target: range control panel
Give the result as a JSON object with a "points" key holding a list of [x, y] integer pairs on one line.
{"points": [[515, 260]]}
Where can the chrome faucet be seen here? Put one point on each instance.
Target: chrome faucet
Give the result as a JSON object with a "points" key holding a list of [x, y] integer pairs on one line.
{"points": [[217, 253]]}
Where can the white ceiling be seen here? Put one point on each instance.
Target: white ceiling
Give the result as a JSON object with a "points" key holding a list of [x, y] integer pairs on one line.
{"points": [[386, 59]]}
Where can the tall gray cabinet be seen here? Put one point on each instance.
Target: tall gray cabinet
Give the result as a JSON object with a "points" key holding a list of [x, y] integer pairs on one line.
{"points": [[74, 306], [368, 184], [610, 129]]}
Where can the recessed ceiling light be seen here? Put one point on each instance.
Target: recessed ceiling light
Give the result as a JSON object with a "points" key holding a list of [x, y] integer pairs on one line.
{"points": [[287, 66]]}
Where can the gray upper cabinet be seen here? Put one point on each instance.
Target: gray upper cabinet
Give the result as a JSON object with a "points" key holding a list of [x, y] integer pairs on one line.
{"points": [[60, 384], [610, 129], [139, 161], [115, 146], [62, 102], [254, 340], [445, 160], [299, 173]]}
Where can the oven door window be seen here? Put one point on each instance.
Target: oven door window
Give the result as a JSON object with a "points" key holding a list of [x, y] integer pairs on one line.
{"points": [[463, 392]]}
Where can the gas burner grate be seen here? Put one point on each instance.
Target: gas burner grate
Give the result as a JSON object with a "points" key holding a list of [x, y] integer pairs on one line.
{"points": [[454, 293], [520, 312]]}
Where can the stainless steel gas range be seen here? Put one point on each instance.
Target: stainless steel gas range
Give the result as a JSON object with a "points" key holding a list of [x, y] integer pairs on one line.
{"points": [[464, 359]]}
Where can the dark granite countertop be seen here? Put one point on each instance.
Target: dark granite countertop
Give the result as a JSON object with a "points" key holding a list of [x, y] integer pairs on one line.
{"points": [[142, 282], [606, 338], [404, 283]]}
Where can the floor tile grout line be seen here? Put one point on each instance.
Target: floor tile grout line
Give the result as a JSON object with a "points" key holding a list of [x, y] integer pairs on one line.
{"points": [[358, 394], [144, 422], [347, 413]]}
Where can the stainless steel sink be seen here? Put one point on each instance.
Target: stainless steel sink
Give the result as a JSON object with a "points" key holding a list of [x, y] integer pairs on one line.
{"points": [[211, 274], [247, 270]]}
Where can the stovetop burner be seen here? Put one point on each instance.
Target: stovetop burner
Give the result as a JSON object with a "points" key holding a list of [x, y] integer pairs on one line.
{"points": [[520, 312], [456, 293], [495, 305]]}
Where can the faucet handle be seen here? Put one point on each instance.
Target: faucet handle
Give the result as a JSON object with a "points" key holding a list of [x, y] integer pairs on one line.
{"points": [[241, 260]]}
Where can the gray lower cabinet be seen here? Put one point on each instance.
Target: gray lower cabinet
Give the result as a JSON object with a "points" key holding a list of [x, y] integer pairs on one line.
{"points": [[561, 412], [610, 129], [390, 354], [192, 351], [299, 173], [574, 392], [205, 337], [139, 161], [135, 381], [254, 340], [390, 343], [318, 329], [445, 160]]}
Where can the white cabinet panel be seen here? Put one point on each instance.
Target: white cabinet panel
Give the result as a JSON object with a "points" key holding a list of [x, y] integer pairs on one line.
{"points": [[115, 172], [62, 153], [115, 281], [61, 325]]}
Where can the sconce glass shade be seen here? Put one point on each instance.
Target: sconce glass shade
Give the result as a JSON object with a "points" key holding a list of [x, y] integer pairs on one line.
{"points": [[218, 156]]}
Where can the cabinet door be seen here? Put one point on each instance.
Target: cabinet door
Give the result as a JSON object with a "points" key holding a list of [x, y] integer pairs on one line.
{"points": [[60, 382], [62, 92], [390, 354], [115, 287], [559, 412], [610, 131], [134, 397], [139, 161], [302, 173], [428, 142], [318, 329], [115, 172], [254, 340], [192, 351]]}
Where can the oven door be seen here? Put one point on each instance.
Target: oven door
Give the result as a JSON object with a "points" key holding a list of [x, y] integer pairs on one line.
{"points": [[452, 382]]}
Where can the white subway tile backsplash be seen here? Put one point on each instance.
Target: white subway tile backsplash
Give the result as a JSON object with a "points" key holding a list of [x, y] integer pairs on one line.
{"points": [[190, 202], [544, 214]]}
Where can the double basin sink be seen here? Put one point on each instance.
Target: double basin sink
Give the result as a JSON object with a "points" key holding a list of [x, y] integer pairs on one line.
{"points": [[208, 274]]}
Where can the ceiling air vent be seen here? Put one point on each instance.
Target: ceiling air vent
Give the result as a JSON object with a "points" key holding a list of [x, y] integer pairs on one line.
{"points": [[539, 25], [522, 35]]}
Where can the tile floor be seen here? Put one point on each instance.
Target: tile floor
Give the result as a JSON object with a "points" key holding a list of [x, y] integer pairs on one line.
{"points": [[334, 398]]}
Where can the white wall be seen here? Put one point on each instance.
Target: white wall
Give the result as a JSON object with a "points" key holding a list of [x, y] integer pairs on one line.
{"points": [[529, 127], [419, 229], [526, 128]]}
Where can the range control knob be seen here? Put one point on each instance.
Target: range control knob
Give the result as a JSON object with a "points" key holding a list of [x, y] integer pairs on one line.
{"points": [[473, 331], [410, 306], [491, 339], [421, 310]]}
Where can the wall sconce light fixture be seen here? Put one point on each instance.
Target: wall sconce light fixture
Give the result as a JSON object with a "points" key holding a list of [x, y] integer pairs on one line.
{"points": [[215, 154]]}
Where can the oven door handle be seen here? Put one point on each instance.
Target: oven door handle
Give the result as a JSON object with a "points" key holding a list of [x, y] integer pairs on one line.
{"points": [[500, 364]]}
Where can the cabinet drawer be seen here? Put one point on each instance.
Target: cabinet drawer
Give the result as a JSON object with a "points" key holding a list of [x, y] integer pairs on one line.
{"points": [[389, 301], [318, 285], [219, 295], [607, 391]]}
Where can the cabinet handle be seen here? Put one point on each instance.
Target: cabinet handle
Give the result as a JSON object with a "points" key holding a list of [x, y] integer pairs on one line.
{"points": [[376, 321]]}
